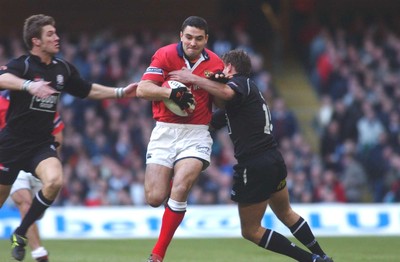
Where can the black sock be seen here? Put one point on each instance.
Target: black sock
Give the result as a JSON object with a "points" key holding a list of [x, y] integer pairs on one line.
{"points": [[302, 232], [276, 242], [39, 205]]}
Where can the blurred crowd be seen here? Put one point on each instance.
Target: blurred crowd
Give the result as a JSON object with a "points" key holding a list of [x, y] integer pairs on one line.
{"points": [[355, 70], [105, 142]]}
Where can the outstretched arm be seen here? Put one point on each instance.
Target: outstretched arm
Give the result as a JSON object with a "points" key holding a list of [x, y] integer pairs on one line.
{"points": [[40, 88], [102, 92]]}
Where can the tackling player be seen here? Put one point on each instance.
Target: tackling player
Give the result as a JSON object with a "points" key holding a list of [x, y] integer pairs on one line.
{"points": [[179, 147], [26, 186], [35, 81], [260, 174]]}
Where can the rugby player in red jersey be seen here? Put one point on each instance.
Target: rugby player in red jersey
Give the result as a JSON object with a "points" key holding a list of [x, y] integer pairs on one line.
{"points": [[179, 147]]}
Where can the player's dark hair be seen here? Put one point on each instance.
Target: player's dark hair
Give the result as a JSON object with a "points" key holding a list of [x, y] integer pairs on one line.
{"points": [[33, 27], [197, 22], [238, 59]]}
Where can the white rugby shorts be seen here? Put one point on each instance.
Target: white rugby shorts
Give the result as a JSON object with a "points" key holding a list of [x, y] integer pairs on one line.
{"points": [[26, 181], [171, 142]]}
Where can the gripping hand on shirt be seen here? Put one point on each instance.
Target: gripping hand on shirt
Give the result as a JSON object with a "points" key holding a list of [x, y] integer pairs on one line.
{"points": [[182, 97], [219, 77], [41, 89]]}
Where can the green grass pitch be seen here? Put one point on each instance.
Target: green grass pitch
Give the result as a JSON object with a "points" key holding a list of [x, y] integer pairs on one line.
{"points": [[342, 249]]}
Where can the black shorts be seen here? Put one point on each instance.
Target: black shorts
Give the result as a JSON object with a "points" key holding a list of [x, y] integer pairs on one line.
{"points": [[16, 157], [255, 179]]}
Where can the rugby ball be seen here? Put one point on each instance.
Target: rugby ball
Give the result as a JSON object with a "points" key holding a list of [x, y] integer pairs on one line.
{"points": [[170, 104]]}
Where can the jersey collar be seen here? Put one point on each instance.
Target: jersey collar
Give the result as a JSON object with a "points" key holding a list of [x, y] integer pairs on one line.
{"points": [[38, 60]]}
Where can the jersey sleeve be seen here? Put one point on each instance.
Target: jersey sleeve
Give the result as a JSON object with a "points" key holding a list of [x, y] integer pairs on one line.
{"points": [[76, 85], [15, 67], [238, 87], [155, 72]]}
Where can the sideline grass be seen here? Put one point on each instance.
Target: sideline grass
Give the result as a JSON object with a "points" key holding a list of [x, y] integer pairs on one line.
{"points": [[343, 249]]}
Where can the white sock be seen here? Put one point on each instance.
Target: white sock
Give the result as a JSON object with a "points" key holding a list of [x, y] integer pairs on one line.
{"points": [[177, 206], [39, 252]]}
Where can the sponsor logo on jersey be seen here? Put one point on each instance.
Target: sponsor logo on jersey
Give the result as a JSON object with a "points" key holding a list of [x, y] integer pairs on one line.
{"points": [[48, 104], [154, 70], [148, 156], [53, 147]]}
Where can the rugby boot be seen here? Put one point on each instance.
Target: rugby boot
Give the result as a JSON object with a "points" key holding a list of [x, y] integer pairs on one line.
{"points": [[154, 258], [18, 244]]}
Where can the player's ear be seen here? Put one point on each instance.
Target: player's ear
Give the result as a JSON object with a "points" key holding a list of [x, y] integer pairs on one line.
{"points": [[35, 41], [230, 68]]}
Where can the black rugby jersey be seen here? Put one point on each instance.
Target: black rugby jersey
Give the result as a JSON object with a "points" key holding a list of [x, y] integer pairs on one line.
{"points": [[248, 119], [30, 117]]}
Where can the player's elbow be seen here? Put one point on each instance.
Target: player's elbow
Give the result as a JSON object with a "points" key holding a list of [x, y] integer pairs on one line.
{"points": [[142, 87], [139, 91], [228, 93]]}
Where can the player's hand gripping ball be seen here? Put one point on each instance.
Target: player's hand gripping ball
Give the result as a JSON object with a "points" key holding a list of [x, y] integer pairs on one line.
{"points": [[181, 101]]}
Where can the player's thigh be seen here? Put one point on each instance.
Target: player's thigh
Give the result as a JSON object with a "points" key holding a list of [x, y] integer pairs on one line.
{"points": [[158, 179], [186, 173], [280, 205], [4, 193]]}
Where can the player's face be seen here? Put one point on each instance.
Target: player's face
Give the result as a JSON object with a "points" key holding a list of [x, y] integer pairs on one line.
{"points": [[194, 41], [49, 42]]}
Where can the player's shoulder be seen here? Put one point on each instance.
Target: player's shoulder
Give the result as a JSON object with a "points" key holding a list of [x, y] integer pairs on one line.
{"points": [[213, 58], [240, 80], [19, 60], [62, 61]]}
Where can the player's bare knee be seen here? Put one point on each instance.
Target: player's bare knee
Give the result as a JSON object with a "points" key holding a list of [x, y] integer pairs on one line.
{"points": [[181, 189], [53, 186], [155, 200], [248, 234]]}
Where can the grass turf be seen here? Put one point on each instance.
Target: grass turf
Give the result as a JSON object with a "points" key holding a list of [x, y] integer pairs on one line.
{"points": [[342, 249]]}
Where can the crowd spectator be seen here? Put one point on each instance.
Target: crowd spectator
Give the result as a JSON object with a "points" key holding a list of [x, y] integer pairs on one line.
{"points": [[356, 64]]}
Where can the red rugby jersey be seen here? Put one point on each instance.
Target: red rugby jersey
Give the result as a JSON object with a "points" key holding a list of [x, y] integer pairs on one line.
{"points": [[170, 58]]}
